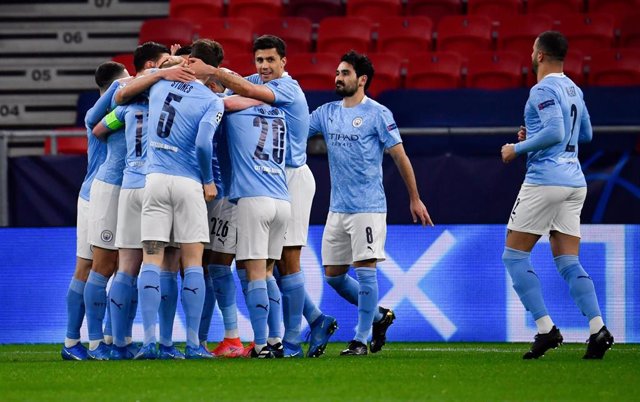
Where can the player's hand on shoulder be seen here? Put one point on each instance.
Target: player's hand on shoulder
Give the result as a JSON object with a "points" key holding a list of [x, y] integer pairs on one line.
{"points": [[419, 211], [178, 73], [200, 68], [508, 152], [522, 133], [210, 191]]}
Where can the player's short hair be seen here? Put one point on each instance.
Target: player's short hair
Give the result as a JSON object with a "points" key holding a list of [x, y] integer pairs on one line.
{"points": [[270, 42], [108, 72], [148, 51], [183, 51], [553, 44], [361, 64], [207, 50]]}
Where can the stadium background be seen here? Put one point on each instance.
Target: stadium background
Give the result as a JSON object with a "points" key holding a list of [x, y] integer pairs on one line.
{"points": [[446, 283]]}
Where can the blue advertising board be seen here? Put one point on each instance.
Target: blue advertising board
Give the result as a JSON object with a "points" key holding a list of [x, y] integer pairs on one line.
{"points": [[445, 283]]}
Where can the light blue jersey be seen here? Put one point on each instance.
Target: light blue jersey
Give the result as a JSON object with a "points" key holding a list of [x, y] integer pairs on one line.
{"points": [[222, 160], [112, 169], [257, 142], [96, 149], [557, 120], [291, 99], [356, 138], [134, 115], [183, 118]]}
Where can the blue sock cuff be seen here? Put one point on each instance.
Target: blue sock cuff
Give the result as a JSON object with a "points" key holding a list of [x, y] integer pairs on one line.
{"points": [[77, 286], [169, 275], [218, 270], [150, 268], [271, 279], [125, 278], [259, 284], [366, 274], [513, 254], [334, 279], [194, 269], [292, 281], [563, 261], [97, 279]]}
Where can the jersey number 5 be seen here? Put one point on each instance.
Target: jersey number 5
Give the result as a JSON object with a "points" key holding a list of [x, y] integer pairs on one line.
{"points": [[166, 116], [277, 129]]}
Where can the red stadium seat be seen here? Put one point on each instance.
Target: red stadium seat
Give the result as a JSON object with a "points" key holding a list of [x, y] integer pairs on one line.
{"points": [[438, 70], [630, 31], [315, 10], [127, 60], [295, 31], [494, 9], [520, 32], [167, 31], [313, 71], [615, 67], [190, 9], [69, 145], [588, 32], [386, 73], [434, 9], [554, 7], [618, 8], [404, 36], [234, 34], [340, 34], [464, 34], [255, 10], [241, 63], [495, 70], [374, 9]]}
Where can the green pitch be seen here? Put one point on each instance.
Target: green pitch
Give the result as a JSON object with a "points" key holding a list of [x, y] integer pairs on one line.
{"points": [[402, 371]]}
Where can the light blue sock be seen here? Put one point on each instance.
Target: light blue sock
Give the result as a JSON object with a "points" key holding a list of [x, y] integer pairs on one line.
{"points": [[580, 285], [275, 308], [95, 301], [168, 305], [310, 311], [225, 291], [149, 299], [525, 281], [207, 308], [367, 301], [258, 306], [119, 305], [242, 276], [348, 288], [75, 308], [193, 293], [293, 296], [107, 321], [133, 307]]}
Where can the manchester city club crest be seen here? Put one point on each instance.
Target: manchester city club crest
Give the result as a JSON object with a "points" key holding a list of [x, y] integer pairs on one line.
{"points": [[106, 236], [357, 122]]}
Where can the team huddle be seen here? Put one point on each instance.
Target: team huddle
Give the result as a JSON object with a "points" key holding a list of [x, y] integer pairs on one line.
{"points": [[191, 166]]}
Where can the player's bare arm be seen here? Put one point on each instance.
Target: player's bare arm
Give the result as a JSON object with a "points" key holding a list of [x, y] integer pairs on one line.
{"points": [[417, 207], [141, 84], [234, 103], [234, 82]]}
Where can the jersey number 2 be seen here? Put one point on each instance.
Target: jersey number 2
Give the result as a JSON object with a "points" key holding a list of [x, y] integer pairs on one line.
{"points": [[277, 129], [166, 116], [574, 115]]}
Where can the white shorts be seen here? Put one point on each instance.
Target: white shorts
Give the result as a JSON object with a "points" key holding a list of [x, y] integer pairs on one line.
{"points": [[174, 201], [348, 238], [103, 214], [83, 248], [129, 216], [223, 216], [302, 188], [542, 209], [262, 222]]}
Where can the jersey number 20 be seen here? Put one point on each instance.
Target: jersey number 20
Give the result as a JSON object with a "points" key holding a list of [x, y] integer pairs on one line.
{"points": [[277, 130]]}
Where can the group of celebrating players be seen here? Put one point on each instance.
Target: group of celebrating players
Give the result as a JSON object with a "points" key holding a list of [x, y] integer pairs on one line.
{"points": [[191, 166]]}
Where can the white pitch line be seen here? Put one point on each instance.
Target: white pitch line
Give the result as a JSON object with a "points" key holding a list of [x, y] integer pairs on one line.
{"points": [[493, 350]]}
